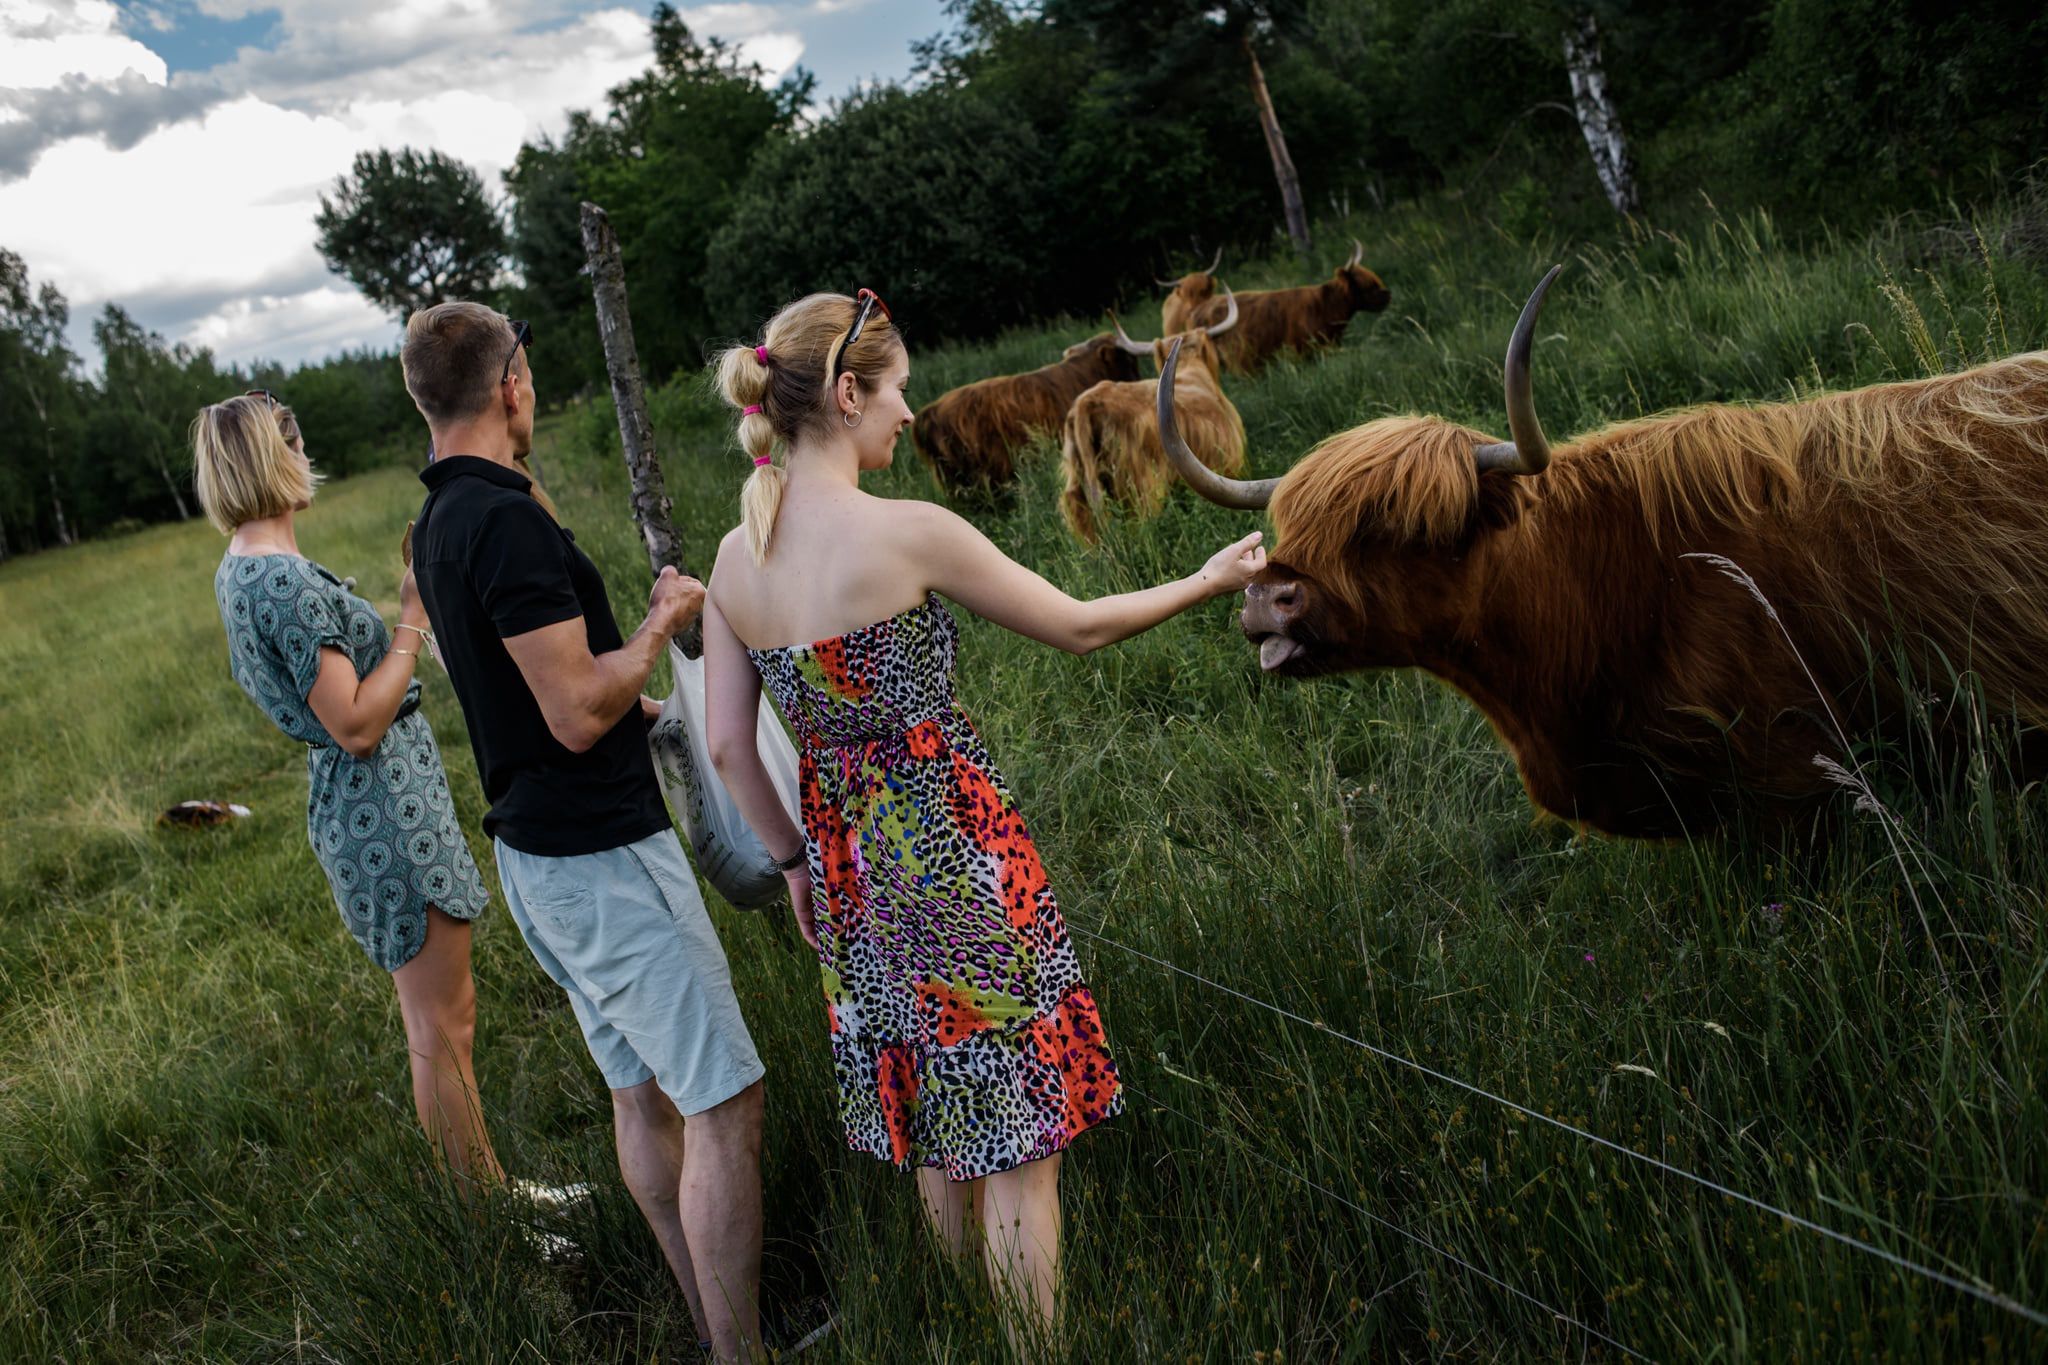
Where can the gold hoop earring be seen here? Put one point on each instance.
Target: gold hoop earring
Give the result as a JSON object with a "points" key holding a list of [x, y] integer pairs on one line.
{"points": [[852, 419]]}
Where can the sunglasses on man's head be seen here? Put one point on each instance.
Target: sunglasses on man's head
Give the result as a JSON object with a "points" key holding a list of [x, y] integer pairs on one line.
{"points": [[869, 301], [522, 335]]}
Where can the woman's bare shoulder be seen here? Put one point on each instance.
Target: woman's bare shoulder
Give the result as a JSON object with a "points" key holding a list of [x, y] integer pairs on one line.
{"points": [[731, 555], [914, 514]]}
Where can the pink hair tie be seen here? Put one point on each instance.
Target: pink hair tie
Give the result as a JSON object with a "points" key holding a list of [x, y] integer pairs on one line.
{"points": [[760, 460], [750, 409], [761, 354]]}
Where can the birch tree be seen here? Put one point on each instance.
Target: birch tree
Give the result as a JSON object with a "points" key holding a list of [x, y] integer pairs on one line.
{"points": [[1599, 120]]}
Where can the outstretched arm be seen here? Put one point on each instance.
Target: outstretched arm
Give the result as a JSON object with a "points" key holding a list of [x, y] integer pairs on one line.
{"points": [[732, 700], [963, 564]]}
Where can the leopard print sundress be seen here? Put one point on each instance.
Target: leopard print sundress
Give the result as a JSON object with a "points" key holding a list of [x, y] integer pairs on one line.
{"points": [[962, 1034]]}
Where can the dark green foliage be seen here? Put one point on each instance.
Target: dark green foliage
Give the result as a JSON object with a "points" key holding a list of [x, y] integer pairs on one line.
{"points": [[355, 412], [1872, 104], [411, 230], [546, 192], [935, 200], [666, 160], [98, 455], [38, 407]]}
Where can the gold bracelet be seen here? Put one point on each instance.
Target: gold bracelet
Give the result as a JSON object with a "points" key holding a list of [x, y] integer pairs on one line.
{"points": [[408, 653]]}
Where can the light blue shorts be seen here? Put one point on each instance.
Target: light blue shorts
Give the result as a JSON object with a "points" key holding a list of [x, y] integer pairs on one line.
{"points": [[625, 934]]}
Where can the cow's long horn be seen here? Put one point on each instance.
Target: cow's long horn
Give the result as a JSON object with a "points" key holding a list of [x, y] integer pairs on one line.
{"points": [[1229, 315], [1247, 494], [1124, 342], [1213, 264], [1357, 252], [1528, 452]]}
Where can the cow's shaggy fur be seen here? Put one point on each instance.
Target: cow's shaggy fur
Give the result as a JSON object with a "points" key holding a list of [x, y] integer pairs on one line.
{"points": [[1272, 322], [1109, 444], [970, 436], [1897, 533]]}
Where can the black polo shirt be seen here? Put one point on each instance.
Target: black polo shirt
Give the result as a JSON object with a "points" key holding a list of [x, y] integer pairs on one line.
{"points": [[492, 563]]}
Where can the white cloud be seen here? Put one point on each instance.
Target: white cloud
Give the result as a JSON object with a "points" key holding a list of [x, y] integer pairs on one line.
{"points": [[47, 42], [204, 227], [189, 197], [311, 322]]}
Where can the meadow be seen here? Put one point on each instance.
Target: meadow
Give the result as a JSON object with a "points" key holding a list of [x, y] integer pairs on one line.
{"points": [[206, 1144]]}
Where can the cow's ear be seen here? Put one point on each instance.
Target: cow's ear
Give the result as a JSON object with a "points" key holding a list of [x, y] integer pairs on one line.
{"points": [[1500, 501]]}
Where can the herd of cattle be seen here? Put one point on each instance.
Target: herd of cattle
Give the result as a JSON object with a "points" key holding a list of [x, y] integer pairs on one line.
{"points": [[1664, 619], [1093, 396]]}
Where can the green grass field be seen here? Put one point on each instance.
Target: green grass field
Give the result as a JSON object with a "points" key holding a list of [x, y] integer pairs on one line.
{"points": [[206, 1143]]}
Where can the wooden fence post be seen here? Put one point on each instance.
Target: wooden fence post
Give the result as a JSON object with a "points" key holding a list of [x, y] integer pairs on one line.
{"points": [[651, 506]]}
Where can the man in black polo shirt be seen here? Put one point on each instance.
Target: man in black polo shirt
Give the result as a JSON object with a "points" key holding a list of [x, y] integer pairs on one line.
{"points": [[592, 871]]}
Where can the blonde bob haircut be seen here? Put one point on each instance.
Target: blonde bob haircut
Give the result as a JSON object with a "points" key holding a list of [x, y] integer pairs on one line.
{"points": [[802, 342], [242, 465]]}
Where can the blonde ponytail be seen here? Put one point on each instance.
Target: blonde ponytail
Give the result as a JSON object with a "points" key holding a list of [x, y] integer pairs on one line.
{"points": [[743, 378]]}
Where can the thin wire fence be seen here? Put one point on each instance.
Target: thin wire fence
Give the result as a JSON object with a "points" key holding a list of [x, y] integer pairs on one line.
{"points": [[1981, 1292], [1388, 1224]]}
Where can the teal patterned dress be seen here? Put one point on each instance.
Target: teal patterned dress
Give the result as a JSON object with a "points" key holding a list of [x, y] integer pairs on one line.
{"points": [[383, 827]]}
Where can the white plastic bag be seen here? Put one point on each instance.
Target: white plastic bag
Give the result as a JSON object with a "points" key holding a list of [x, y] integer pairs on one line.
{"points": [[729, 854]]}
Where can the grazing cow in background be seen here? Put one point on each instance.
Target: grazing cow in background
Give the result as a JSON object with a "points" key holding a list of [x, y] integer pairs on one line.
{"points": [[1109, 447], [1605, 605], [1190, 292], [970, 436], [1274, 321]]}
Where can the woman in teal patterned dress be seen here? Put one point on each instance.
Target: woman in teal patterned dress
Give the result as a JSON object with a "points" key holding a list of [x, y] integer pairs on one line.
{"points": [[317, 660], [966, 1045]]}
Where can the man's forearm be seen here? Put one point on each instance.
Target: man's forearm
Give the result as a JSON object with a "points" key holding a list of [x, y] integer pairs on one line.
{"points": [[622, 674]]}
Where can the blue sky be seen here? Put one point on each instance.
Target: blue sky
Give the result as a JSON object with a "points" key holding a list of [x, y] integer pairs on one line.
{"points": [[168, 155]]}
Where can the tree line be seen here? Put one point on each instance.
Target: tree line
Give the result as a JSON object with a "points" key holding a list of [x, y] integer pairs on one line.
{"points": [[88, 455], [1053, 157]]}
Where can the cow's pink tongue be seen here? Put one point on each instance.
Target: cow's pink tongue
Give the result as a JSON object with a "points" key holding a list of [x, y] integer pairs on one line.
{"points": [[1276, 650]]}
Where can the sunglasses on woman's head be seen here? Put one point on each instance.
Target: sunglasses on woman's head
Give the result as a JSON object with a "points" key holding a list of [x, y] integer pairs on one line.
{"points": [[264, 393], [522, 335], [869, 301]]}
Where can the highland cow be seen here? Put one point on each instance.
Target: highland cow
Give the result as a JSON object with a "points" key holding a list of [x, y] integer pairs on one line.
{"points": [[1189, 292], [1626, 610], [970, 436], [1275, 321], [1109, 446]]}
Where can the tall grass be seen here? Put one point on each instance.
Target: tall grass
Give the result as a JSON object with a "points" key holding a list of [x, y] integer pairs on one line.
{"points": [[205, 1138]]}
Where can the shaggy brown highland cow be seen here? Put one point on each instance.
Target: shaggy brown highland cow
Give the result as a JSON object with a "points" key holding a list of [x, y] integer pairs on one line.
{"points": [[970, 436], [1109, 446], [1626, 610], [1190, 291], [1273, 321]]}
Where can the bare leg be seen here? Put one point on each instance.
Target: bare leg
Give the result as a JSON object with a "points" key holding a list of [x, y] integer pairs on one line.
{"points": [[953, 1209], [721, 1215], [1022, 1219], [649, 1135], [437, 1000]]}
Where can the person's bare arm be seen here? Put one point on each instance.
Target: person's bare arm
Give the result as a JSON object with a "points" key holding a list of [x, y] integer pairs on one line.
{"points": [[582, 695], [732, 700], [357, 711], [963, 564]]}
